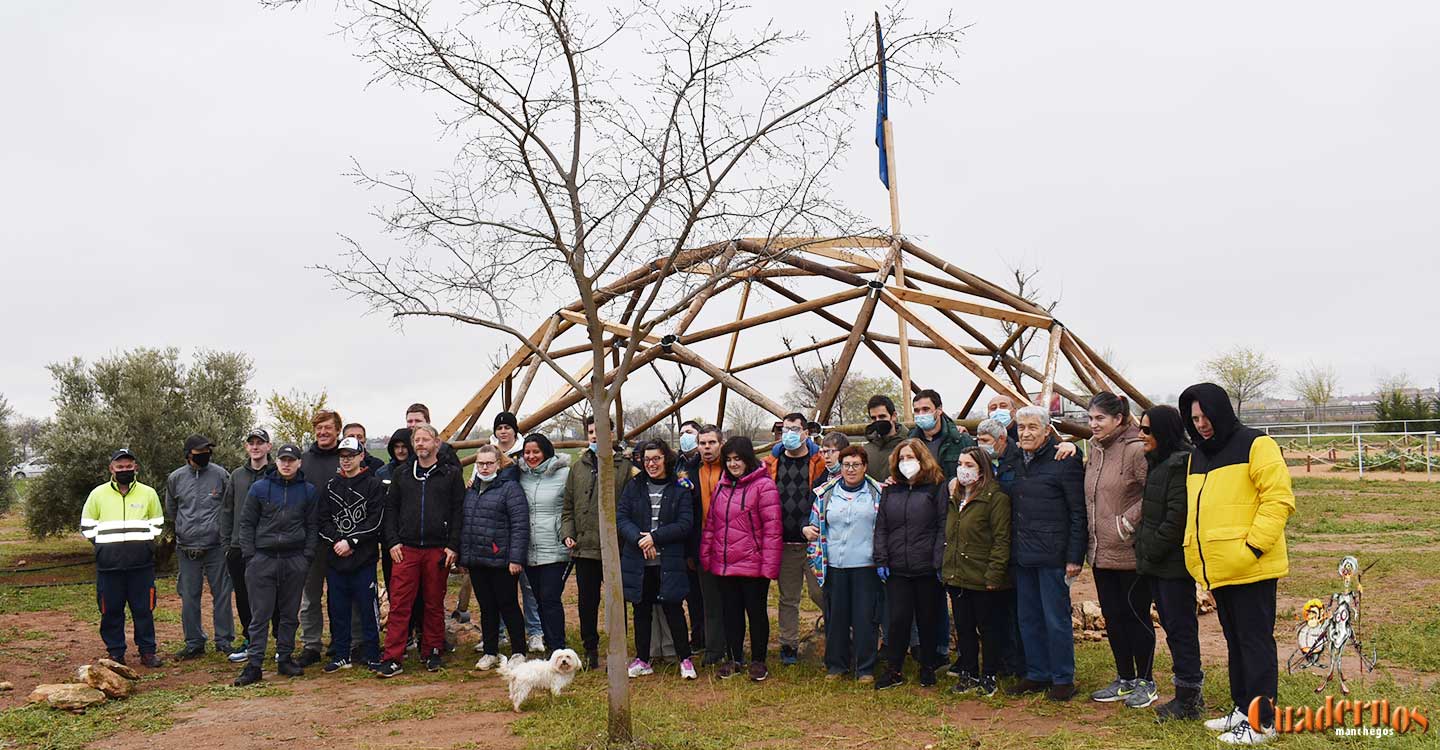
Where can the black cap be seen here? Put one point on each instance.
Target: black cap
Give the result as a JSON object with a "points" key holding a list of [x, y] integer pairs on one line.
{"points": [[506, 417], [197, 442], [288, 450], [258, 432], [123, 453]]}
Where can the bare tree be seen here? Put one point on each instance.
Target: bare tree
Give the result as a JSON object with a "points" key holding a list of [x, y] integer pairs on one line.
{"points": [[1026, 286], [1246, 374], [745, 419], [574, 167], [1316, 385], [675, 392]]}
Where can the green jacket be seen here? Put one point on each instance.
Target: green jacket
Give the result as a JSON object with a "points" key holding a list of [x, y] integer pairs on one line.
{"points": [[580, 515], [952, 442], [877, 452], [977, 541]]}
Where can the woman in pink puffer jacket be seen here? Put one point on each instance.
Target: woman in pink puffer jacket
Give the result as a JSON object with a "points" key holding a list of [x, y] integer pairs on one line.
{"points": [[740, 545]]}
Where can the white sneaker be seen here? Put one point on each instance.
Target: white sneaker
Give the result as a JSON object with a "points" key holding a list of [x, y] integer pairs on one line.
{"points": [[480, 647], [640, 668], [487, 662], [1227, 722], [1242, 734], [687, 670], [536, 643]]}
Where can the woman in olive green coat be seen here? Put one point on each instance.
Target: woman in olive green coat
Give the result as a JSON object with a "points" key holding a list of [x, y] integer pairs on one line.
{"points": [[975, 571]]}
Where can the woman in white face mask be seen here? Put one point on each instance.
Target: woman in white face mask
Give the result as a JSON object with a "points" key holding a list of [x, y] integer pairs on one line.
{"points": [[977, 558], [909, 545]]}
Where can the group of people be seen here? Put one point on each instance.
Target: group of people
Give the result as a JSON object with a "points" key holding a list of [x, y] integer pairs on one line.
{"points": [[899, 542]]}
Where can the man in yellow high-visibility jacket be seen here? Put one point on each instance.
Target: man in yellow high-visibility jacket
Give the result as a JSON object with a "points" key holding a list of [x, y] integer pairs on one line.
{"points": [[122, 518]]}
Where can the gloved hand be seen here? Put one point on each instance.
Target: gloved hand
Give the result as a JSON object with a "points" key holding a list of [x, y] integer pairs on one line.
{"points": [[884, 573]]}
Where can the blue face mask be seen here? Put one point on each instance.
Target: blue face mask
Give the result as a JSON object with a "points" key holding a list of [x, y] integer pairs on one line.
{"points": [[791, 440], [595, 448], [687, 442], [925, 422], [988, 448], [1002, 416]]}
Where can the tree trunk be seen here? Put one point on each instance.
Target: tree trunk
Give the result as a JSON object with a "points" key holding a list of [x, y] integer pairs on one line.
{"points": [[612, 592]]}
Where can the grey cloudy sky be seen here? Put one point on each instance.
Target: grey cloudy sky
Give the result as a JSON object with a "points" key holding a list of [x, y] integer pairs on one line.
{"points": [[1189, 177]]}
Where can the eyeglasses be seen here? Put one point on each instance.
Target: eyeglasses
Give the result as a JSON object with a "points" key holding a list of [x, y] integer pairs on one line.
{"points": [[851, 465], [487, 463], [654, 459], [1145, 430]]}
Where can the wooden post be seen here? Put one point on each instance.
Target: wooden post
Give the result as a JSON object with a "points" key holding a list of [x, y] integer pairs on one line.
{"points": [[893, 178], [1052, 360], [954, 351], [995, 360], [684, 354], [518, 398], [730, 352], [1130, 390]]}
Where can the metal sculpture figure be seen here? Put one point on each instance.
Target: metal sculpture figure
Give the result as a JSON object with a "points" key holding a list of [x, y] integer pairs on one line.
{"points": [[1326, 629]]}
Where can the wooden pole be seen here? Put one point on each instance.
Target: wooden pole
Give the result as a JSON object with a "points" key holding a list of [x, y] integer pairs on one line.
{"points": [[518, 398], [995, 361], [893, 178], [482, 397], [1130, 390], [684, 354], [954, 351], [1052, 360], [730, 351], [771, 316]]}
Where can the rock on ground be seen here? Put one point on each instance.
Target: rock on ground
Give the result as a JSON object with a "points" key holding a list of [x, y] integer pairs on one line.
{"points": [[101, 678]]}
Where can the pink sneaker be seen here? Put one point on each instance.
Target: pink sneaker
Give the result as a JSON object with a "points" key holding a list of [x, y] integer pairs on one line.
{"points": [[639, 668], [687, 670]]}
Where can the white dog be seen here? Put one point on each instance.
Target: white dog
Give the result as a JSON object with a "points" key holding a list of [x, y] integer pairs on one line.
{"points": [[553, 674]]}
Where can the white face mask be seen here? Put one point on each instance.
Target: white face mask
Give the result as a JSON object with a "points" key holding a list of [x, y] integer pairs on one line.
{"points": [[967, 475], [488, 477], [909, 468]]}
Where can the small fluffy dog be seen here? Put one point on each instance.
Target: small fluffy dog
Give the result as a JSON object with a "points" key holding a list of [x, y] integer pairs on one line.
{"points": [[552, 674]]}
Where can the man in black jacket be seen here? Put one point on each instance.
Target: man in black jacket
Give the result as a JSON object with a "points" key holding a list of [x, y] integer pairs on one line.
{"points": [[322, 461], [422, 531], [350, 525], [357, 431], [257, 450], [279, 528]]}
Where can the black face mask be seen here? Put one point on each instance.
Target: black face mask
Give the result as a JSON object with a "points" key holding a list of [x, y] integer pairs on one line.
{"points": [[201, 459], [125, 477], [880, 427]]}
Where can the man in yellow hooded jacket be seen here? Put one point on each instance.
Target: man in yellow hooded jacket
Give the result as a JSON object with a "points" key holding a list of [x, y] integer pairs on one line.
{"points": [[1239, 501]]}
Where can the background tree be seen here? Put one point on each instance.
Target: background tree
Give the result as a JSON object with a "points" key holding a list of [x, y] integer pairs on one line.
{"points": [[1025, 283], [26, 430], [574, 169], [744, 419], [143, 399], [1316, 385], [1246, 374], [10, 455], [807, 383], [292, 415]]}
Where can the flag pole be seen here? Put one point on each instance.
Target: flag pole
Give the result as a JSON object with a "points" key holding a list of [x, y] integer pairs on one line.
{"points": [[893, 185]]}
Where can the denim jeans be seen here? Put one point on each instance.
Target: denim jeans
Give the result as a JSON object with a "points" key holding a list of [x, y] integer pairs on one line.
{"points": [[1042, 601]]}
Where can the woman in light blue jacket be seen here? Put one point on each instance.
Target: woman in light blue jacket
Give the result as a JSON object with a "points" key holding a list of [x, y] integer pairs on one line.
{"points": [[543, 475]]}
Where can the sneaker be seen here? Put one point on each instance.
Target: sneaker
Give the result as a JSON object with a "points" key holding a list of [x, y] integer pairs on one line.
{"points": [[1117, 690], [866, 679], [374, 666], [487, 662], [536, 643], [955, 670], [290, 668], [151, 661], [189, 652], [1227, 722], [388, 669], [890, 680], [687, 670], [480, 647], [639, 668], [308, 657], [789, 656], [964, 681], [249, 676], [987, 686], [461, 617], [335, 665], [1061, 692], [1243, 734], [592, 659], [728, 669], [833, 676], [1027, 685], [758, 671], [1144, 694], [240, 654], [432, 663], [927, 677]]}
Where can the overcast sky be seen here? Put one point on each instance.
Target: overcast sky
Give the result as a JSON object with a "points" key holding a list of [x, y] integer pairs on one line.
{"points": [[1190, 178]]}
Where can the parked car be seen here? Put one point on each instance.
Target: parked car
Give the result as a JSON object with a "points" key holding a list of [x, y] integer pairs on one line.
{"points": [[30, 469]]}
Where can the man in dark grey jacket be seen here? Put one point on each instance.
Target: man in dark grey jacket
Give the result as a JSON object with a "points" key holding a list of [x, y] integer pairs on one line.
{"points": [[195, 499], [322, 461], [279, 529], [257, 450]]}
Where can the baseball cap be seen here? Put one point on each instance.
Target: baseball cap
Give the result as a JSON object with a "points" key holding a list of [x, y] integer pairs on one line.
{"points": [[123, 453], [351, 445], [197, 442], [258, 432], [288, 450]]}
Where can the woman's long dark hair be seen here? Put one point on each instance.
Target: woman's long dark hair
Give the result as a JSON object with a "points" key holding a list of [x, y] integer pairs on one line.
{"points": [[741, 448], [1168, 429], [664, 448]]}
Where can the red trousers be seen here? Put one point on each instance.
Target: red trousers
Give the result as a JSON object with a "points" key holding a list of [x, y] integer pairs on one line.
{"points": [[423, 570]]}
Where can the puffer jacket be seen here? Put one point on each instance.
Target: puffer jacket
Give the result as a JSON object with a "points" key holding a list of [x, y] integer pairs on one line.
{"points": [[544, 488], [742, 534], [195, 503], [1114, 481], [424, 511], [495, 529], [280, 517], [1047, 507], [580, 512], [1160, 540], [977, 540], [1239, 498], [910, 529], [671, 537]]}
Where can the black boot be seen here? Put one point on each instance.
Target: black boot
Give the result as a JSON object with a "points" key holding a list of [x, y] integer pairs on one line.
{"points": [[1188, 703]]}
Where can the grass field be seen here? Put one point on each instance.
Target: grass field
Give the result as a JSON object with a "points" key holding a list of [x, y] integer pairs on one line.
{"points": [[46, 631]]}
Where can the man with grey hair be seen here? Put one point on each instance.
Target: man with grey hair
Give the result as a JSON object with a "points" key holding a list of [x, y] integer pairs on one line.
{"points": [[1048, 529]]}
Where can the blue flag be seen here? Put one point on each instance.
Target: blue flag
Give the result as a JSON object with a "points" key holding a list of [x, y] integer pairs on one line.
{"points": [[882, 107]]}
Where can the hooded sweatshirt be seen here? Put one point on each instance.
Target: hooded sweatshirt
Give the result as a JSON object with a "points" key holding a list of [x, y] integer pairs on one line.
{"points": [[280, 517], [1114, 482], [354, 508], [239, 487], [400, 437]]}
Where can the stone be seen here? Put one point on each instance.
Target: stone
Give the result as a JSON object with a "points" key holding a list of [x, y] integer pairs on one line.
{"points": [[42, 692], [106, 681], [1204, 601], [118, 668], [6, 686], [75, 697], [1154, 615], [1091, 616]]}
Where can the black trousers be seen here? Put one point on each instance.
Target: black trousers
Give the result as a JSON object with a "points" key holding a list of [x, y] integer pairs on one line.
{"points": [[589, 574], [117, 589], [236, 563], [1012, 646], [674, 613], [1175, 600], [1125, 601], [1247, 617], [913, 600], [744, 598], [983, 626], [497, 592], [548, 583]]}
